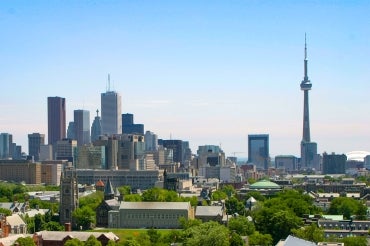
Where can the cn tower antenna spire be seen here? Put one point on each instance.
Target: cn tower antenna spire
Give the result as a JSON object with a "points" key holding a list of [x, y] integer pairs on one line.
{"points": [[108, 82], [305, 47]]}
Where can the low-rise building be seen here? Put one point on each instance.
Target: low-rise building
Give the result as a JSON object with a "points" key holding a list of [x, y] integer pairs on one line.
{"points": [[150, 215]]}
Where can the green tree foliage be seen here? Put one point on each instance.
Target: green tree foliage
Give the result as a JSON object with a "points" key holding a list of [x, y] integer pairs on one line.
{"points": [[84, 217], [74, 242], [241, 225], [133, 198], [52, 226], [207, 234], [154, 236], [39, 221], [236, 239], [131, 242], [186, 224], [310, 233], [354, 241], [256, 195], [174, 236], [277, 221], [5, 211], [234, 206], [260, 239], [229, 190], [218, 195], [93, 200], [348, 207], [124, 190], [92, 241], [24, 241]]}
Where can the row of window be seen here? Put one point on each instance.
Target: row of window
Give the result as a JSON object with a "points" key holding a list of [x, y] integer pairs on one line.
{"points": [[153, 216]]}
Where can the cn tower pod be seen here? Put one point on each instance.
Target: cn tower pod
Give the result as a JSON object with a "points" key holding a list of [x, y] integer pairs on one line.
{"points": [[306, 85]]}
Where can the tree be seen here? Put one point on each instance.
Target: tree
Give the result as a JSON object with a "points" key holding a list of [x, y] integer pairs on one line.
{"points": [[84, 217], [236, 239], [310, 233], [132, 198], [241, 225], [348, 207], [131, 242], [154, 235], [125, 190], [24, 241], [260, 239], [207, 234], [229, 190], [74, 242], [354, 241], [218, 195], [93, 200], [5, 211], [234, 206], [39, 222], [187, 223], [52, 226], [92, 241]]}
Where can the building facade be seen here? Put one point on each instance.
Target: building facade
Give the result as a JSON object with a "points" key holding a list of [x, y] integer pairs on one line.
{"points": [[65, 149], [20, 171], [162, 215], [90, 157], [35, 140], [258, 150], [82, 126], [129, 127], [334, 163], [111, 116], [56, 119], [96, 127]]}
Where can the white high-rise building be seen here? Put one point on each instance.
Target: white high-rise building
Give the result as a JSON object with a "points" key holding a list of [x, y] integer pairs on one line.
{"points": [[111, 112]]}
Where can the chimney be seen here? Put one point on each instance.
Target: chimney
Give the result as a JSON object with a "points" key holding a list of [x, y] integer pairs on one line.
{"points": [[67, 227]]}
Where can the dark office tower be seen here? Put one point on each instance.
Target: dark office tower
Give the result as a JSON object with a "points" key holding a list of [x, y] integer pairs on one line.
{"points": [[56, 119], [82, 126], [96, 127], [258, 150], [35, 140], [111, 120], [177, 147], [334, 164], [308, 148], [5, 145], [71, 130], [128, 126]]}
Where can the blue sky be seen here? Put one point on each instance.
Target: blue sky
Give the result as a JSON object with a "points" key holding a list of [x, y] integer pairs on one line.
{"points": [[210, 72]]}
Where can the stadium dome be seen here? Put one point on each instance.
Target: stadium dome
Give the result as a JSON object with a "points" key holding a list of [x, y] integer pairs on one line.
{"points": [[357, 155]]}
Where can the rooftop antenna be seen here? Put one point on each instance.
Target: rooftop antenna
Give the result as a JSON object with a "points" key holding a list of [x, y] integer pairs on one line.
{"points": [[97, 113], [108, 82]]}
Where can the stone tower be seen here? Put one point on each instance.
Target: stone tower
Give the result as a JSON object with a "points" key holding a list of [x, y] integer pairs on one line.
{"points": [[68, 197]]}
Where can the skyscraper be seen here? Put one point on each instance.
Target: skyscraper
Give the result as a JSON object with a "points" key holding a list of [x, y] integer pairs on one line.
{"points": [[309, 159], [6, 140], [82, 126], [128, 126], [56, 119], [35, 140], [258, 150], [111, 120], [96, 127]]}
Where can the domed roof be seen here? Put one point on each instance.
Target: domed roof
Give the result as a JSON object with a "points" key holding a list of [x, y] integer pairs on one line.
{"points": [[264, 184], [99, 183]]}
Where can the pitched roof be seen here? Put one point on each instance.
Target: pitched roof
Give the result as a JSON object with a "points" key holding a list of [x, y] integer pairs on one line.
{"points": [[108, 190], [82, 236], [208, 211], [156, 205], [100, 183], [295, 241], [14, 220]]}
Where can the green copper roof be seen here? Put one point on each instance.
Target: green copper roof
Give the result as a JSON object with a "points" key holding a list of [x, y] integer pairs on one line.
{"points": [[264, 184]]}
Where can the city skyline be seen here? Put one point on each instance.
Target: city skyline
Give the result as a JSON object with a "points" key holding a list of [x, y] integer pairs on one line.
{"points": [[205, 73]]}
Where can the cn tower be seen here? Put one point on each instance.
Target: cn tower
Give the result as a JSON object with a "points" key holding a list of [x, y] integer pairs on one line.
{"points": [[305, 87], [309, 158]]}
